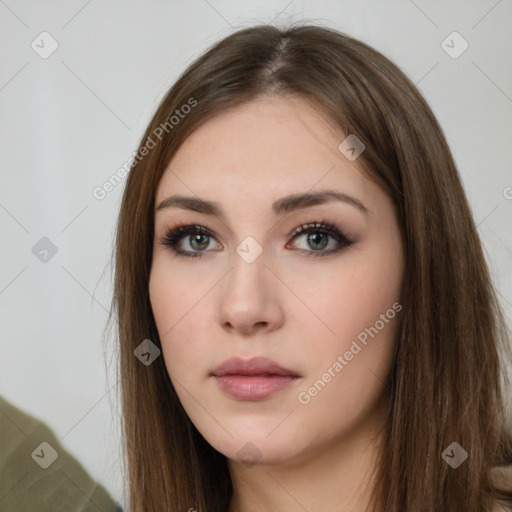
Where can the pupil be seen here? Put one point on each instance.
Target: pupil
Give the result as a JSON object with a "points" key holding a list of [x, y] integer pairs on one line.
{"points": [[196, 238]]}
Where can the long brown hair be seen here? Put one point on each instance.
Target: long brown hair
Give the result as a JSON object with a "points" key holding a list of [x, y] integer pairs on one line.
{"points": [[446, 378]]}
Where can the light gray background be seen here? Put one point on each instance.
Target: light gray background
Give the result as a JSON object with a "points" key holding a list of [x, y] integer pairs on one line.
{"points": [[68, 122]]}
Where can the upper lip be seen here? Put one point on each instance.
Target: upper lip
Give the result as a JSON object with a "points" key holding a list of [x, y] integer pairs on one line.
{"points": [[253, 366]]}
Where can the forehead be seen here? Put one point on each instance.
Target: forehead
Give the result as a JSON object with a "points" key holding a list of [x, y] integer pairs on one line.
{"points": [[271, 146]]}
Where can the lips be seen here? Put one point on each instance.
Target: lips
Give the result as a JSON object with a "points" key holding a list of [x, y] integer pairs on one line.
{"points": [[254, 366], [252, 379]]}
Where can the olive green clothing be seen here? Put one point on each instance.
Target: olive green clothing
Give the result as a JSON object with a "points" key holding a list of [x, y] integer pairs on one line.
{"points": [[38, 475]]}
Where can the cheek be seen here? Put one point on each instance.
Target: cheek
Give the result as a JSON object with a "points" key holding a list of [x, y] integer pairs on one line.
{"points": [[163, 297], [348, 299], [347, 376], [178, 306], [358, 308], [171, 308], [173, 297]]}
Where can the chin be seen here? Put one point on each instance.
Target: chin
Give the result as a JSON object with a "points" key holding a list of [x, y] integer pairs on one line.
{"points": [[255, 446]]}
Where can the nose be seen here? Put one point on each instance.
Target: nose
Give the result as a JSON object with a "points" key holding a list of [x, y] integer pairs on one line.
{"points": [[250, 299]]}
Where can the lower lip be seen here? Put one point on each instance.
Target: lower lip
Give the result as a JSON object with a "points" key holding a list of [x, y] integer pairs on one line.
{"points": [[253, 387]]}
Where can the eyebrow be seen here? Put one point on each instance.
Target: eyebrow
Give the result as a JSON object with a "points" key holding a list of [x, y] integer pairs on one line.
{"points": [[280, 207]]}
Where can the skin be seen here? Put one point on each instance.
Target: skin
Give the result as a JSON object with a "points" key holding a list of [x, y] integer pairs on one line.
{"points": [[299, 310]]}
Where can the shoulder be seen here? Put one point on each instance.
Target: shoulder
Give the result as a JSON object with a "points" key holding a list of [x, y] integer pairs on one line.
{"points": [[502, 477], [21, 447]]}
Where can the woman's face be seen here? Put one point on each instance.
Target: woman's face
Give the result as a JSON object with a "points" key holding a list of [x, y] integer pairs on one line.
{"points": [[320, 306]]}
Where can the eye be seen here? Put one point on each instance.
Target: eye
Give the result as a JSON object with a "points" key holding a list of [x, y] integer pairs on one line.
{"points": [[199, 239], [317, 236]]}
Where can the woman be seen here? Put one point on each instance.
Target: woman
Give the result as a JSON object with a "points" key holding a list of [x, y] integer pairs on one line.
{"points": [[295, 240]]}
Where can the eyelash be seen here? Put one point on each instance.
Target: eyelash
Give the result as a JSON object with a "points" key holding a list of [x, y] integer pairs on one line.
{"points": [[173, 237]]}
